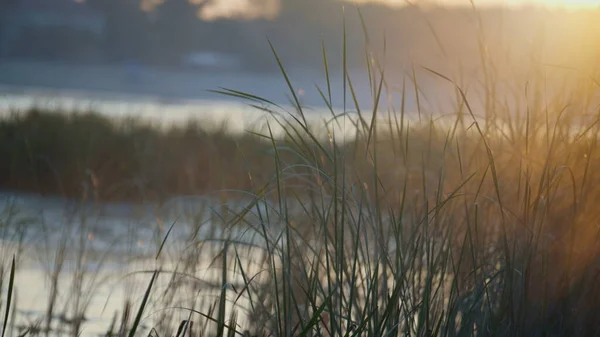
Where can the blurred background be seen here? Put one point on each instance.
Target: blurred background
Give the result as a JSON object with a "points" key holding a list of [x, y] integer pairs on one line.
{"points": [[174, 50], [88, 198]]}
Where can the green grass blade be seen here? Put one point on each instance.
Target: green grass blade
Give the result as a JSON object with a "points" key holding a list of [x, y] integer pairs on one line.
{"points": [[244, 95], [11, 285], [289, 83], [375, 108], [316, 317], [162, 244], [326, 65], [138, 317]]}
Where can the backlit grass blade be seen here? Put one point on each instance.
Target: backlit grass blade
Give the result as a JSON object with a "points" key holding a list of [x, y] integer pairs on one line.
{"points": [[289, 84], [162, 244], [138, 317], [11, 285]]}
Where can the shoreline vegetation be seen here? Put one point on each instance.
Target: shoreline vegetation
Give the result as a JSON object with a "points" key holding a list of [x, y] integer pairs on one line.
{"points": [[89, 156], [85, 155], [487, 226]]}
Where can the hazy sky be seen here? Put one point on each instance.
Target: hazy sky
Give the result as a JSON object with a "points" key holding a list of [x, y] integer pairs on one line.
{"points": [[550, 3], [249, 9], [252, 9], [513, 3]]}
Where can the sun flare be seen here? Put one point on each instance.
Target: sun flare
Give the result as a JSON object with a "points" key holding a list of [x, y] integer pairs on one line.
{"points": [[561, 3], [567, 4]]}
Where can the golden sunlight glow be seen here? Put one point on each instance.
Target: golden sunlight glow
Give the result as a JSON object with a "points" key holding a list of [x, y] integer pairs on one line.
{"points": [[268, 9], [237, 9], [567, 4]]}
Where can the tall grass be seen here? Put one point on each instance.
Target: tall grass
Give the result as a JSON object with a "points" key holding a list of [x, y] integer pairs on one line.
{"points": [[483, 226]]}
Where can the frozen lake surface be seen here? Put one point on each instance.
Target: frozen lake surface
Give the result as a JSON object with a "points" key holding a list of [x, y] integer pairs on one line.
{"points": [[166, 95], [100, 256]]}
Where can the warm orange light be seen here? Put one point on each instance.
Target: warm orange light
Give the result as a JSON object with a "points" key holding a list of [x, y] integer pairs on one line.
{"points": [[567, 4], [571, 3]]}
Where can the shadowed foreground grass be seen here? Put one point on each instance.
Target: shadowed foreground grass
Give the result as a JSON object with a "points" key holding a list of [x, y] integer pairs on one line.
{"points": [[486, 226]]}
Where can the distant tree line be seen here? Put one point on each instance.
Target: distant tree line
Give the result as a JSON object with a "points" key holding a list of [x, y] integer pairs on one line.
{"points": [[173, 28]]}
